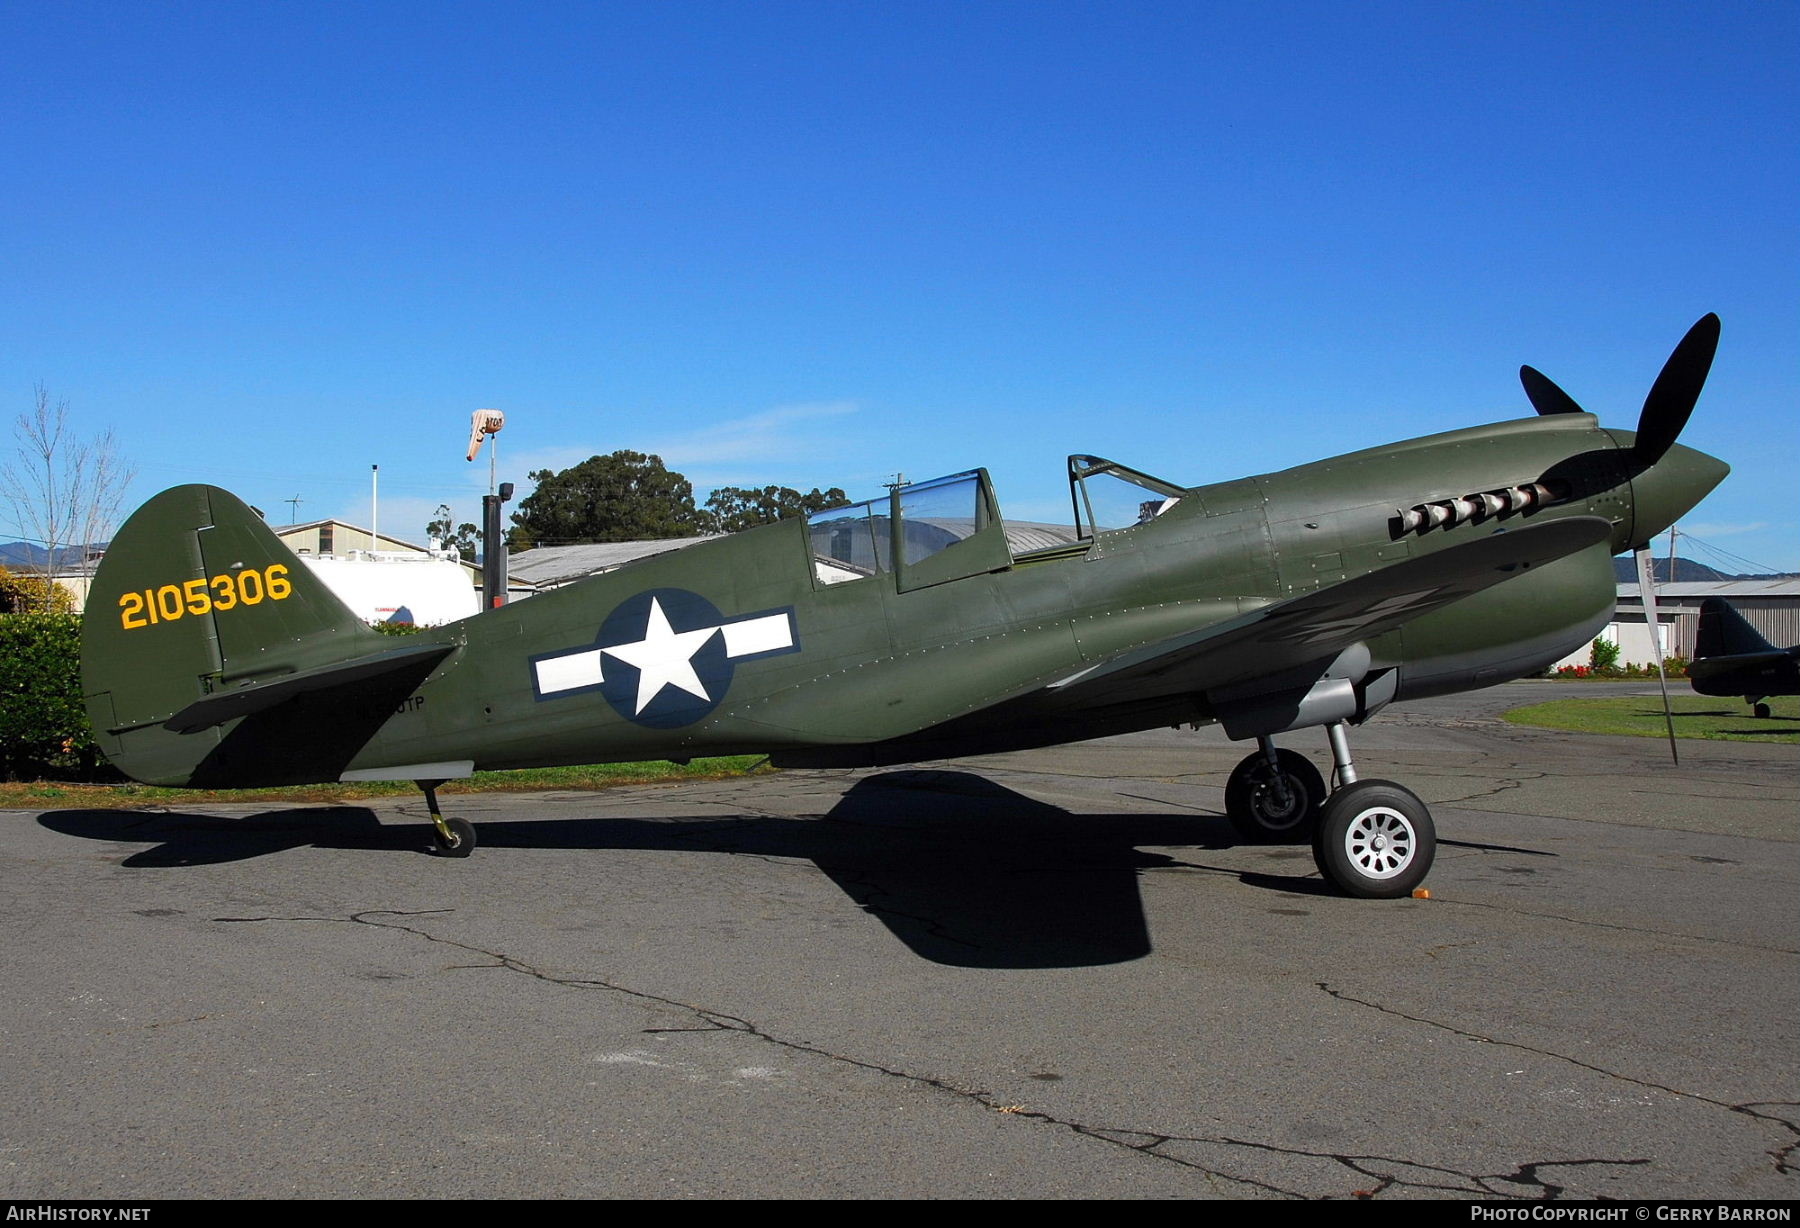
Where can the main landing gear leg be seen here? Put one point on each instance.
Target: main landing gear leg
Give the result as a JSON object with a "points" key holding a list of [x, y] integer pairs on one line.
{"points": [[1375, 839], [454, 837], [1340, 753], [1273, 796]]}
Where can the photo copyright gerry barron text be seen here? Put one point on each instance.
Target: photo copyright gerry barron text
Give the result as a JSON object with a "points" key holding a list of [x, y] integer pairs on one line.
{"points": [[1638, 1213]]}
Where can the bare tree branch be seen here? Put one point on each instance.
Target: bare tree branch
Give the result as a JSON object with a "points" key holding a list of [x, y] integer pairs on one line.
{"points": [[62, 490]]}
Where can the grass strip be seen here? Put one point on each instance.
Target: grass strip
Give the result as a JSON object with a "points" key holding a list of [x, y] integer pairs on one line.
{"points": [[54, 795], [1641, 716]]}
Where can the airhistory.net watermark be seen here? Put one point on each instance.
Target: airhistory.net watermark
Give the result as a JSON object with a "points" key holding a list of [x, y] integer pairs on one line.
{"points": [[50, 1213]]}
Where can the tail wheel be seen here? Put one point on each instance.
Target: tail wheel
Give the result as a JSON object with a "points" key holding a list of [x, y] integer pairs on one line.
{"points": [[457, 841], [1271, 807], [1375, 841]]}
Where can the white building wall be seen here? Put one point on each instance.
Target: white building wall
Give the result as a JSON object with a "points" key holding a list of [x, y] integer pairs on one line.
{"points": [[1633, 639], [430, 591]]}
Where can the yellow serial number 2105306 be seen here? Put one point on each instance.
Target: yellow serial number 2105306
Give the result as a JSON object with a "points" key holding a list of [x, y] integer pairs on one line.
{"points": [[172, 602]]}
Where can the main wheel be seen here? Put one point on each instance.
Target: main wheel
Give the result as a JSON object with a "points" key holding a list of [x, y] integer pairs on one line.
{"points": [[462, 838], [1375, 840], [1265, 814], [1761, 711]]}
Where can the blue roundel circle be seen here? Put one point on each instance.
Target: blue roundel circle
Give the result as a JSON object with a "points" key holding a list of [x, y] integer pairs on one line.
{"points": [[661, 668]]}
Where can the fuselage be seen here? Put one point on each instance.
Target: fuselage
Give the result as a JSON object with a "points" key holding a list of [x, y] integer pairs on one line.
{"points": [[812, 669]]}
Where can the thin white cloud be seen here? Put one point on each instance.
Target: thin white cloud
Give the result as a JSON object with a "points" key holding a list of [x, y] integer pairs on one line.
{"points": [[514, 468], [402, 516], [771, 446], [1722, 530], [774, 434]]}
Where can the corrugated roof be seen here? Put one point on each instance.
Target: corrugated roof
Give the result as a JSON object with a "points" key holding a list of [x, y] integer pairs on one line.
{"points": [[1773, 587], [1024, 536], [560, 564]]}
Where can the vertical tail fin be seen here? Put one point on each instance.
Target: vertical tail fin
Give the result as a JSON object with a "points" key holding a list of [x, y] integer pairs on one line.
{"points": [[1723, 632], [196, 597]]}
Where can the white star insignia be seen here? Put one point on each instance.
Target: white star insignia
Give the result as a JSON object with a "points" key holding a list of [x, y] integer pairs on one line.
{"points": [[664, 657]]}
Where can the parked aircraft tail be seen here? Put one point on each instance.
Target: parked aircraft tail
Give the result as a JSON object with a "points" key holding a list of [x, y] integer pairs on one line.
{"points": [[1723, 632], [199, 616]]}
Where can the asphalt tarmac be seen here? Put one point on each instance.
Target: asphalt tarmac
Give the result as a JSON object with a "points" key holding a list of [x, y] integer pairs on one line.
{"points": [[1048, 974]]}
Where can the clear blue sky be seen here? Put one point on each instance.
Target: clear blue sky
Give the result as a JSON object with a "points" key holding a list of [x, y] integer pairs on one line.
{"points": [[818, 244]]}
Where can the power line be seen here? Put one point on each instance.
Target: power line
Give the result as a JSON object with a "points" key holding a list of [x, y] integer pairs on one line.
{"points": [[1737, 561]]}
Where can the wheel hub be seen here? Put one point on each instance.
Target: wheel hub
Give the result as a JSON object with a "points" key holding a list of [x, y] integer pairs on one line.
{"points": [[1278, 800], [1380, 842]]}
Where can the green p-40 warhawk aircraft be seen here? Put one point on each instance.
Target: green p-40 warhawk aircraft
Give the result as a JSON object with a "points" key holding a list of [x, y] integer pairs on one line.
{"points": [[916, 627]]}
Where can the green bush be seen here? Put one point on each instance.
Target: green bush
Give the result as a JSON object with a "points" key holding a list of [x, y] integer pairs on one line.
{"points": [[44, 730], [1603, 657], [32, 595], [397, 628]]}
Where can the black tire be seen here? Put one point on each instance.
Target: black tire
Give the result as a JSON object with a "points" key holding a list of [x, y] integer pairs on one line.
{"points": [[1375, 841], [1762, 712], [462, 841], [1252, 805]]}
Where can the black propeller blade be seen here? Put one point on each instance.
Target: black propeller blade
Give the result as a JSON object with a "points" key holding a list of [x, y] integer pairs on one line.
{"points": [[1675, 391], [1545, 396]]}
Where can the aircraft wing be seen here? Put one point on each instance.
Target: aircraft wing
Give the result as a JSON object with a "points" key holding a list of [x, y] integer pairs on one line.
{"points": [[1320, 624], [1293, 638]]}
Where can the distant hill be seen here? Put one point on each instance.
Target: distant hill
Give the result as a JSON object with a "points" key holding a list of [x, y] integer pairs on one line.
{"points": [[18, 555], [1686, 570]]}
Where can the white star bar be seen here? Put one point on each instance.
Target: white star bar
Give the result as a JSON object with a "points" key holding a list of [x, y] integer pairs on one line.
{"points": [[770, 633], [569, 671], [665, 657]]}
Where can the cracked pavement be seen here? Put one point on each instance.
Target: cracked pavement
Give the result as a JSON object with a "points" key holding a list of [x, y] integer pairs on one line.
{"points": [[1044, 974]]}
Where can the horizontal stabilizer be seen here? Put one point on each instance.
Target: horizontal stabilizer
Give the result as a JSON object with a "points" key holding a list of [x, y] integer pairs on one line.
{"points": [[223, 706], [1706, 671], [1754, 675]]}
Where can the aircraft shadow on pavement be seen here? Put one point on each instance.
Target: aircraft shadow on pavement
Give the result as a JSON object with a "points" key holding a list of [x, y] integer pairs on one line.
{"points": [[962, 870], [183, 839]]}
